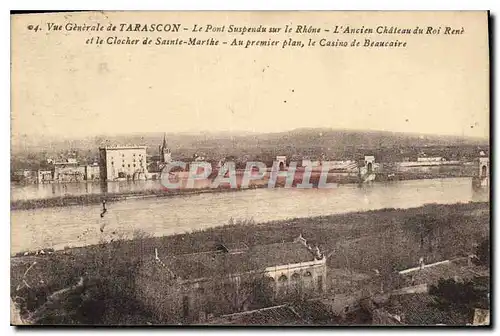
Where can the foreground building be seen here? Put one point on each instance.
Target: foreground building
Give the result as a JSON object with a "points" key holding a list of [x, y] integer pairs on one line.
{"points": [[122, 163], [195, 287]]}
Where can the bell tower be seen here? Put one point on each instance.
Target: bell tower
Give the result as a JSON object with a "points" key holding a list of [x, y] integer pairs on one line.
{"points": [[165, 153]]}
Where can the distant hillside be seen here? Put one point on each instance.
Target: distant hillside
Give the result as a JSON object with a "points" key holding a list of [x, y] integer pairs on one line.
{"points": [[303, 141]]}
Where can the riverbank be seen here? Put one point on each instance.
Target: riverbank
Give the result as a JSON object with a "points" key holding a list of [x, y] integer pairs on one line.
{"points": [[386, 240], [89, 199], [97, 198]]}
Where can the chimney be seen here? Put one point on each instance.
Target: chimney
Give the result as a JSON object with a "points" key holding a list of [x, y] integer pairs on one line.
{"points": [[301, 240]]}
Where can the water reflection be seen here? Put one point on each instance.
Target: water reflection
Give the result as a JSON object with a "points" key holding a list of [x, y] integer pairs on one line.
{"points": [[40, 191]]}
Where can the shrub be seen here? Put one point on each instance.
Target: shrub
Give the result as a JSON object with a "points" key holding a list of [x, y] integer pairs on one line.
{"points": [[483, 252]]}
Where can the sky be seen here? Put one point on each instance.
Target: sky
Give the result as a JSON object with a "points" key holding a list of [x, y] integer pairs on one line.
{"points": [[64, 87]]}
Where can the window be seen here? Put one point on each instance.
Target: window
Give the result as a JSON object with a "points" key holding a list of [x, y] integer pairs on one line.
{"points": [[282, 286], [134, 165], [295, 276], [484, 171], [112, 163], [123, 165], [308, 282]]}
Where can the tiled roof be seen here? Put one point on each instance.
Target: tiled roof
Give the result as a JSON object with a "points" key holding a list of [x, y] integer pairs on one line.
{"points": [[274, 316], [236, 261], [450, 270], [421, 309]]}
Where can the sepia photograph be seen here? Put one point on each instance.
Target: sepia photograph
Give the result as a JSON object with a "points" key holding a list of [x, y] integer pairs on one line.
{"points": [[250, 168]]}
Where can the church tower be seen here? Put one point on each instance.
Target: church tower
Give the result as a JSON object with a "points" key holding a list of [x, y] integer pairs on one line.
{"points": [[165, 154]]}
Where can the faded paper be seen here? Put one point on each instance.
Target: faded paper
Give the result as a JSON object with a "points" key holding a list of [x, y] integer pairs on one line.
{"points": [[298, 152]]}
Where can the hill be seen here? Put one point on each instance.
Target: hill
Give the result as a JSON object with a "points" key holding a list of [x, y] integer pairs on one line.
{"points": [[299, 142]]}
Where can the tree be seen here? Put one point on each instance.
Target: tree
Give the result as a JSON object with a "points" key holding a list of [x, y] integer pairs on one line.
{"points": [[453, 295], [483, 252], [424, 230], [236, 294]]}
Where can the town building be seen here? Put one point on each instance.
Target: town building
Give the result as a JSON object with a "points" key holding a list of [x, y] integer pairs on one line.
{"points": [[24, 176], [68, 170], [342, 166], [164, 151], [157, 162], [65, 171], [431, 159], [122, 163], [198, 286], [45, 176], [92, 172], [347, 166]]}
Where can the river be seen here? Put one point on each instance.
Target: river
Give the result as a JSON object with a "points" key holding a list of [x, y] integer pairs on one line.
{"points": [[48, 190], [80, 225]]}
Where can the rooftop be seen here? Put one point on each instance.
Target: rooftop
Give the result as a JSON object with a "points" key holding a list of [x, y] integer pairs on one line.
{"points": [[309, 312], [272, 316], [227, 260], [422, 309], [122, 147], [457, 269], [69, 161]]}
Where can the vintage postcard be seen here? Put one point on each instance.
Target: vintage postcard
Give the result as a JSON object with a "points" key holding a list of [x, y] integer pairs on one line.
{"points": [[250, 168]]}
